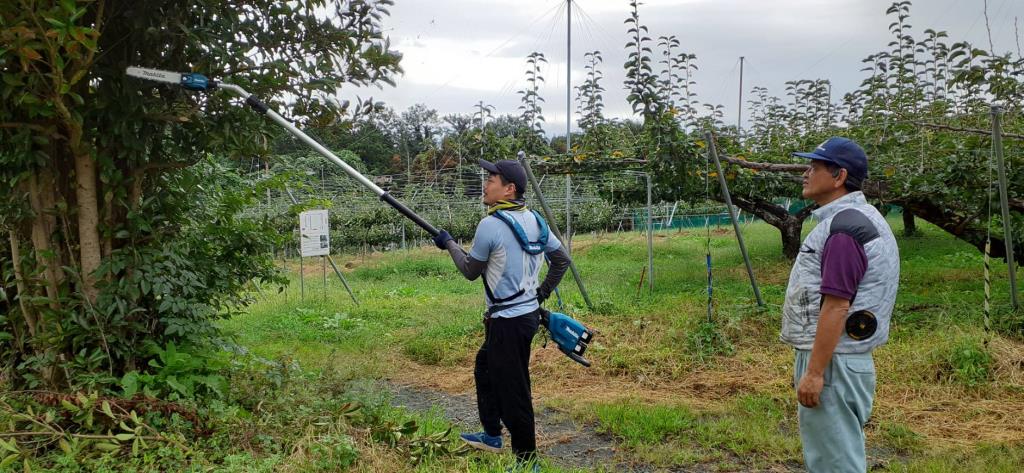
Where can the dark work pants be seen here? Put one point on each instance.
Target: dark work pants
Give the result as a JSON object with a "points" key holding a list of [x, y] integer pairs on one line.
{"points": [[502, 374]]}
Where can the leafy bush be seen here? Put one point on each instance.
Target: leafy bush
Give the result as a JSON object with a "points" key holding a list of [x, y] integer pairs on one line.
{"points": [[964, 360], [177, 375], [707, 341]]}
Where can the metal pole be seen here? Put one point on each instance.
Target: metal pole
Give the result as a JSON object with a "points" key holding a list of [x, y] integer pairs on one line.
{"points": [[650, 237], [342, 278], [323, 264], [551, 224], [997, 148], [732, 215], [739, 108], [302, 278], [568, 214], [568, 124]]}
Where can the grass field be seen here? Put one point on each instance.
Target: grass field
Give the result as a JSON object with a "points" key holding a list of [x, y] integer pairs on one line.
{"points": [[673, 391]]}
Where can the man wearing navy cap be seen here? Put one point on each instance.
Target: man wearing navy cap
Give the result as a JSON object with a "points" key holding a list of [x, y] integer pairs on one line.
{"points": [[838, 304], [508, 250]]}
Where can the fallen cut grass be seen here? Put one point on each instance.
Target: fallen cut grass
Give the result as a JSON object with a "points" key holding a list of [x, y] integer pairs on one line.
{"points": [[945, 396]]}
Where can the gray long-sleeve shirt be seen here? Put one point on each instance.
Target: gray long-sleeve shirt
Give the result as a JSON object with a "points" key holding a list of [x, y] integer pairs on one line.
{"points": [[471, 268]]}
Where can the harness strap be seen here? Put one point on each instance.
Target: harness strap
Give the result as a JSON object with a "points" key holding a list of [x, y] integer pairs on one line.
{"points": [[531, 247]]}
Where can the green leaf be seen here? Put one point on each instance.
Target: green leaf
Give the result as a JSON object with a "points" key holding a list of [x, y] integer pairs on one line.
{"points": [[130, 383], [69, 406], [108, 411], [106, 446], [7, 461], [124, 437], [173, 382], [9, 446]]}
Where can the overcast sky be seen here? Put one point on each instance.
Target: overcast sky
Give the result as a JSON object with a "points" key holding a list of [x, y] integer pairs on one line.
{"points": [[459, 52]]}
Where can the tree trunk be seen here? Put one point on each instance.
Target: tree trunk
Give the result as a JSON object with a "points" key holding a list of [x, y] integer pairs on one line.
{"points": [[19, 279], [909, 223], [88, 220], [44, 222], [790, 232], [790, 226]]}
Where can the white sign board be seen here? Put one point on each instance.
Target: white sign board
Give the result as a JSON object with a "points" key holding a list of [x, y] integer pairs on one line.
{"points": [[313, 238]]}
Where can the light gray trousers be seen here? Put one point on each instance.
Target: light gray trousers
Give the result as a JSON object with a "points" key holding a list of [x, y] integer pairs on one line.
{"points": [[833, 432]]}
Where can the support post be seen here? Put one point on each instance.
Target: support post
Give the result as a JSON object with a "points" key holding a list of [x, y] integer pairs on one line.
{"points": [[342, 278], [732, 215], [739, 108], [552, 225], [997, 149], [650, 237]]}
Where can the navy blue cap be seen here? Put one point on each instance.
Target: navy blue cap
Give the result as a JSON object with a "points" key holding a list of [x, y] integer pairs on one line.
{"points": [[844, 153], [510, 169]]}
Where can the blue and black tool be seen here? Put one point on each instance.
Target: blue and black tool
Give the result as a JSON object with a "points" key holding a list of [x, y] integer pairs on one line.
{"points": [[571, 336]]}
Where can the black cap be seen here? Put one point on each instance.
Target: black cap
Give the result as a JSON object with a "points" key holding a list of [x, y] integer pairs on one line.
{"points": [[844, 153], [510, 169]]}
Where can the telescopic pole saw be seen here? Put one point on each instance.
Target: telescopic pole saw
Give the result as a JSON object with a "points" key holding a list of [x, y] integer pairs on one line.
{"points": [[200, 83]]}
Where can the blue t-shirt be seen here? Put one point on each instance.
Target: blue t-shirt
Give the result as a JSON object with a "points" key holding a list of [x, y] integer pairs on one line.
{"points": [[509, 268]]}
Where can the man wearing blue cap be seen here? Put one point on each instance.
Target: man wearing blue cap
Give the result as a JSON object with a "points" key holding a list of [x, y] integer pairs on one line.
{"points": [[838, 304], [508, 250]]}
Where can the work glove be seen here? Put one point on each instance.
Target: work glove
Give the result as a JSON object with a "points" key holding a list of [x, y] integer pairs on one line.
{"points": [[542, 295], [441, 239]]}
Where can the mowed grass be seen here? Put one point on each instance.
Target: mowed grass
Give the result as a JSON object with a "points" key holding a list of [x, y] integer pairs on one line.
{"points": [[671, 388]]}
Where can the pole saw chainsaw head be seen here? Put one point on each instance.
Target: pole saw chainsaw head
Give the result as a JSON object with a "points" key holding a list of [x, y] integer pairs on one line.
{"points": [[190, 81], [571, 336]]}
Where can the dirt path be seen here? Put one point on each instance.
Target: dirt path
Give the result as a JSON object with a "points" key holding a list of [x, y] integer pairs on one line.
{"points": [[560, 439]]}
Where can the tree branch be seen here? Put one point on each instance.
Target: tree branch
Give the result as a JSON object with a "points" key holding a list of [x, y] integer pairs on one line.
{"points": [[771, 167], [975, 131], [33, 433], [52, 133]]}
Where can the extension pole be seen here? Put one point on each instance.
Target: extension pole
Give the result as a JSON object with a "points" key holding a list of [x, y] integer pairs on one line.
{"points": [[732, 215], [997, 149], [198, 82], [650, 237], [329, 259], [552, 224], [568, 125]]}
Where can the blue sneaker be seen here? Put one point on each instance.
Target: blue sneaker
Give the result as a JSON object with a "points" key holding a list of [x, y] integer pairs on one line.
{"points": [[490, 443]]}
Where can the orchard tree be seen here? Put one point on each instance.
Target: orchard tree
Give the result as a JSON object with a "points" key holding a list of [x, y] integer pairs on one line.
{"points": [[120, 231]]}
